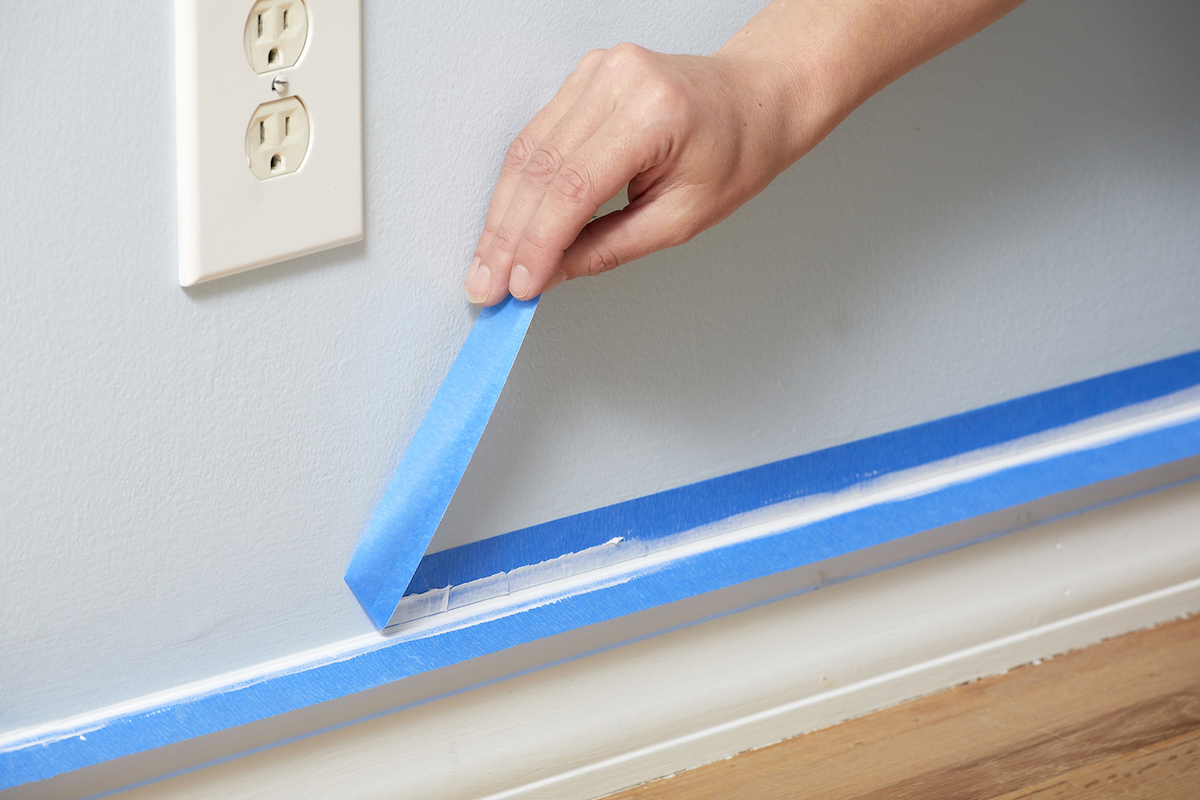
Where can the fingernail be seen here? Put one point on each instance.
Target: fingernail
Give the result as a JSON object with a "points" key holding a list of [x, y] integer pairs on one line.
{"points": [[479, 284], [518, 282], [558, 278], [471, 272]]}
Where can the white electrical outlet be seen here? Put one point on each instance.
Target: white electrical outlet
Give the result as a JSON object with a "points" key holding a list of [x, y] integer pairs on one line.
{"points": [[269, 131]]}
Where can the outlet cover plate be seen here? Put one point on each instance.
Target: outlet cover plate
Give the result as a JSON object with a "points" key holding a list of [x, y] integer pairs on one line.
{"points": [[229, 220]]}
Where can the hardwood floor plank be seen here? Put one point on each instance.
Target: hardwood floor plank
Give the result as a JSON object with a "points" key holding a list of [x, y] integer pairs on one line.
{"points": [[1035, 724], [1054, 752], [1168, 770]]}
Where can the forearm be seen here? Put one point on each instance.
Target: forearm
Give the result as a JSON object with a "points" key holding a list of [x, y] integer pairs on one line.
{"points": [[817, 60]]}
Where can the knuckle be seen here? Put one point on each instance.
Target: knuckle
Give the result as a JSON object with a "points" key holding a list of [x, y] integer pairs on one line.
{"points": [[506, 239], [686, 227], [537, 244], [625, 52], [600, 258], [518, 153], [622, 59], [684, 235], [573, 184], [543, 164], [592, 59], [665, 98]]}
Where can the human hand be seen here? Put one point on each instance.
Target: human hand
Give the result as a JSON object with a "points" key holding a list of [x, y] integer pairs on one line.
{"points": [[694, 137]]}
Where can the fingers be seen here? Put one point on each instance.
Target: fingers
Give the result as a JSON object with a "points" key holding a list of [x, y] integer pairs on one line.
{"points": [[554, 157], [519, 154], [527, 141], [625, 115], [596, 172]]}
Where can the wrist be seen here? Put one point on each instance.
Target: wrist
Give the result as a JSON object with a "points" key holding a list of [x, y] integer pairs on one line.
{"points": [[832, 55], [794, 60]]}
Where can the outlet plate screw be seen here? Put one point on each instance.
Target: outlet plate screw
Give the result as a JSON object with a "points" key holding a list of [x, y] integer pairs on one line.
{"points": [[280, 84]]}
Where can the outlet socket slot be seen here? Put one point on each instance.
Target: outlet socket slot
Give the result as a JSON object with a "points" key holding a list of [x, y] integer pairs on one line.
{"points": [[277, 138], [269, 161], [276, 32]]}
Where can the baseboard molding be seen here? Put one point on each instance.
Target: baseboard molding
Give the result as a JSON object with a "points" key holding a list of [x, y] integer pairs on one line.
{"points": [[838, 705], [599, 723]]}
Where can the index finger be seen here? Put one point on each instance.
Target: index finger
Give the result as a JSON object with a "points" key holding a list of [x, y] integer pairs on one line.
{"points": [[525, 145], [624, 147]]}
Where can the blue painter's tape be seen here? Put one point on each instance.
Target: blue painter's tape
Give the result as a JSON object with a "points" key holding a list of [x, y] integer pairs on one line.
{"points": [[417, 497], [682, 577], [675, 580], [688, 507]]}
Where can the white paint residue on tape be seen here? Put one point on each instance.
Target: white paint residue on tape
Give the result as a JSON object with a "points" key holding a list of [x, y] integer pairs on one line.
{"points": [[521, 579]]}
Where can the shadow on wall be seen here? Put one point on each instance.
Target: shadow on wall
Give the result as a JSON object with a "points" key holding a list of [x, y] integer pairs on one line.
{"points": [[1001, 205], [261, 276]]}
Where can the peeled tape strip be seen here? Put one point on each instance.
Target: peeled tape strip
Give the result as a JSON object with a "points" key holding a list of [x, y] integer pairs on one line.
{"points": [[417, 497]]}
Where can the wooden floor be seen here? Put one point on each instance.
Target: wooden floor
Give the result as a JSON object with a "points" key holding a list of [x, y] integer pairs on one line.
{"points": [[1120, 719]]}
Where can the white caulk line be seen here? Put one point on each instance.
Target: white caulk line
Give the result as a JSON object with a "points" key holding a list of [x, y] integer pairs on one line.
{"points": [[68, 727]]}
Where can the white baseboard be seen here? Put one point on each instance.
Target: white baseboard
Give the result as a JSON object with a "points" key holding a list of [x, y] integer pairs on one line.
{"points": [[837, 705], [596, 724]]}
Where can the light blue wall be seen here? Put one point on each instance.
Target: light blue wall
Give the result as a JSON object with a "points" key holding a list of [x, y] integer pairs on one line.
{"points": [[185, 472]]}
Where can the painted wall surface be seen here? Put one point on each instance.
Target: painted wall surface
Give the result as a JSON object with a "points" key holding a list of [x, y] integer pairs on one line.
{"points": [[185, 472]]}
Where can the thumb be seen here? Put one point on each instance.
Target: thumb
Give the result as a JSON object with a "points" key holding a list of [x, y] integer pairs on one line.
{"points": [[623, 236]]}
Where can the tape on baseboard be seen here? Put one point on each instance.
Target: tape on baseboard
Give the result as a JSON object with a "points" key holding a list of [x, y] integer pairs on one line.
{"points": [[433, 465]]}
